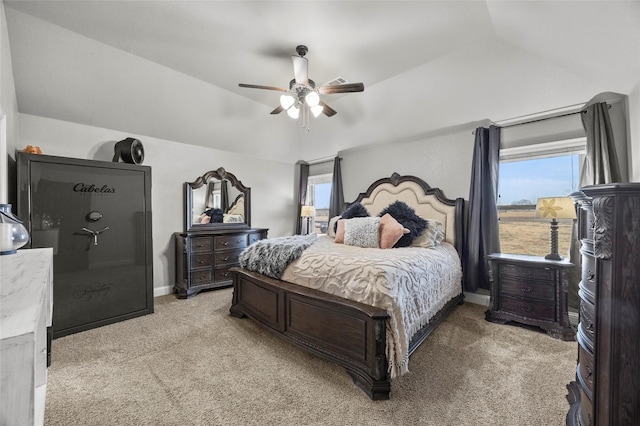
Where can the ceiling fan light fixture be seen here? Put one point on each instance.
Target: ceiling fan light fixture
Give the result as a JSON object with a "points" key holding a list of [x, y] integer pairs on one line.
{"points": [[316, 110], [312, 98], [294, 112], [287, 100]]}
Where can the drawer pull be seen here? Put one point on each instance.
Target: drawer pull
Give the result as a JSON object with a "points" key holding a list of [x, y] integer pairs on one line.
{"points": [[200, 245], [525, 289], [226, 274], [525, 273], [525, 308], [201, 261], [225, 243], [590, 276], [224, 259]]}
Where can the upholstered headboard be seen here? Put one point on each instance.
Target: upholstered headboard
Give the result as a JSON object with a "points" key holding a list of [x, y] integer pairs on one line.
{"points": [[429, 203]]}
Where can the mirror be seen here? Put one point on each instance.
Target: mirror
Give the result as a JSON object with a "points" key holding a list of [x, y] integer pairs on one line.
{"points": [[217, 199]]}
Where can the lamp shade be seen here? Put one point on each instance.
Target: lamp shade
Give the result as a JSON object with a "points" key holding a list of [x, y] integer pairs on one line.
{"points": [[555, 208], [287, 100], [307, 211]]}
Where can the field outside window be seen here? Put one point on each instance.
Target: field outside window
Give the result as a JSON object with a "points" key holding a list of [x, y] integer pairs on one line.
{"points": [[319, 196], [521, 183]]}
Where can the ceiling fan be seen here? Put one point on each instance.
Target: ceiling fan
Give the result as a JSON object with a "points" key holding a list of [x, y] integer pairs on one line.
{"points": [[303, 95]]}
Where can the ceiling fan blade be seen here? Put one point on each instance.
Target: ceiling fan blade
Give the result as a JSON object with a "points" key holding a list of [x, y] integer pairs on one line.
{"points": [[278, 110], [301, 69], [255, 86], [341, 88], [327, 110]]}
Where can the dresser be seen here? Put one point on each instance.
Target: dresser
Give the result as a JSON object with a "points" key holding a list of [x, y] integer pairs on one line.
{"points": [[26, 308], [530, 290], [607, 386], [203, 258]]}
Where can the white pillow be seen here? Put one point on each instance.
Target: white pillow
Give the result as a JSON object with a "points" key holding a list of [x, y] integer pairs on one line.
{"points": [[362, 232], [331, 231], [430, 237]]}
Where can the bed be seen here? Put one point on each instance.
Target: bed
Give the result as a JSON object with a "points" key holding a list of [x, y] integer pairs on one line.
{"points": [[365, 336]]}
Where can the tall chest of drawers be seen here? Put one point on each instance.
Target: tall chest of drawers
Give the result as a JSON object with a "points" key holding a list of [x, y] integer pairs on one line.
{"points": [[203, 258], [607, 386]]}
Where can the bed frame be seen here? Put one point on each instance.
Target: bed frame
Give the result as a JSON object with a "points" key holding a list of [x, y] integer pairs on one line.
{"points": [[349, 333]]}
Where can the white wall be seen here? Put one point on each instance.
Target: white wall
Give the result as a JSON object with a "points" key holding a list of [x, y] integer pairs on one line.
{"points": [[442, 160], [172, 164]]}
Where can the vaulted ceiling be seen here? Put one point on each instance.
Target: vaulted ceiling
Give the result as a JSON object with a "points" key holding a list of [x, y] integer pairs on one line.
{"points": [[170, 69]]}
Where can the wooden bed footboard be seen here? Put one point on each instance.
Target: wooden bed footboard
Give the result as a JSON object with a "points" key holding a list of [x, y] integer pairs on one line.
{"points": [[346, 332]]}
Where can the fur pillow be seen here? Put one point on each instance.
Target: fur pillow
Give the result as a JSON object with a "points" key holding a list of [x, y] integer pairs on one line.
{"points": [[390, 231], [430, 237], [407, 218], [362, 232]]}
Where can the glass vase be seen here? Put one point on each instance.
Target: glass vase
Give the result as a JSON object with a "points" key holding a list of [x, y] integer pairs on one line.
{"points": [[13, 233]]}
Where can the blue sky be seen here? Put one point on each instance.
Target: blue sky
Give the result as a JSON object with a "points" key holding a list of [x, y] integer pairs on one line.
{"points": [[542, 177], [323, 195]]}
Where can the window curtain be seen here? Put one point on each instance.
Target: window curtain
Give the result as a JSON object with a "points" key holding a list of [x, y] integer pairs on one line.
{"points": [[600, 166], [483, 236], [302, 195], [336, 203], [224, 196]]}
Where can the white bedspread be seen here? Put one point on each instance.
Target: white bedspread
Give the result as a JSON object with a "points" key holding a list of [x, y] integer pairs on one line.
{"points": [[411, 283]]}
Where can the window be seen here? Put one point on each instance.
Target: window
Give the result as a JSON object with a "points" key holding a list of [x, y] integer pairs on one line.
{"points": [[319, 196], [529, 173]]}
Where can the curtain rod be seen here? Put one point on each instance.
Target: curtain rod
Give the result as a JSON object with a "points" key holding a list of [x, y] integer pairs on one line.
{"points": [[321, 160], [535, 120]]}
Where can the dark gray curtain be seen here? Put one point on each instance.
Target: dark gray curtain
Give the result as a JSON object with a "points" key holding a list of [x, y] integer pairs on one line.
{"points": [[600, 166], [302, 194], [483, 236], [224, 196], [336, 203], [601, 162]]}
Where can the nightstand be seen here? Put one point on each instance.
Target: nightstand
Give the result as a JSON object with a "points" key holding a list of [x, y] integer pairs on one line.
{"points": [[530, 290]]}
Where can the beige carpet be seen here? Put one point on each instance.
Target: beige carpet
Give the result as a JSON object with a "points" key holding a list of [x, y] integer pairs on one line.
{"points": [[190, 363]]}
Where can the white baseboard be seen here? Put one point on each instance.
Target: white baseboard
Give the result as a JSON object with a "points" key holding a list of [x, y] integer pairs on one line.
{"points": [[478, 299], [162, 291]]}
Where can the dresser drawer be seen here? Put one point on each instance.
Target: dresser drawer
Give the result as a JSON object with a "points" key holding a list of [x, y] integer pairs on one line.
{"points": [[222, 274], [201, 260], [200, 277], [230, 242], [587, 324], [586, 369], [201, 244], [588, 277], [528, 289], [586, 410], [255, 237], [528, 308], [507, 270], [227, 258]]}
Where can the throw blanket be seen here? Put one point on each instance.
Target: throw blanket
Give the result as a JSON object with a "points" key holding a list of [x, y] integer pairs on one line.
{"points": [[271, 256]]}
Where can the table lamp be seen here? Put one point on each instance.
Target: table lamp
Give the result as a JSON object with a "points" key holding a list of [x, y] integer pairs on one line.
{"points": [[307, 212], [555, 208]]}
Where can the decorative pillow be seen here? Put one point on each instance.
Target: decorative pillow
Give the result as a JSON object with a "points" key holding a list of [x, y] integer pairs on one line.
{"points": [[354, 210], [340, 231], [430, 237], [331, 229], [407, 218], [390, 231], [362, 232]]}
